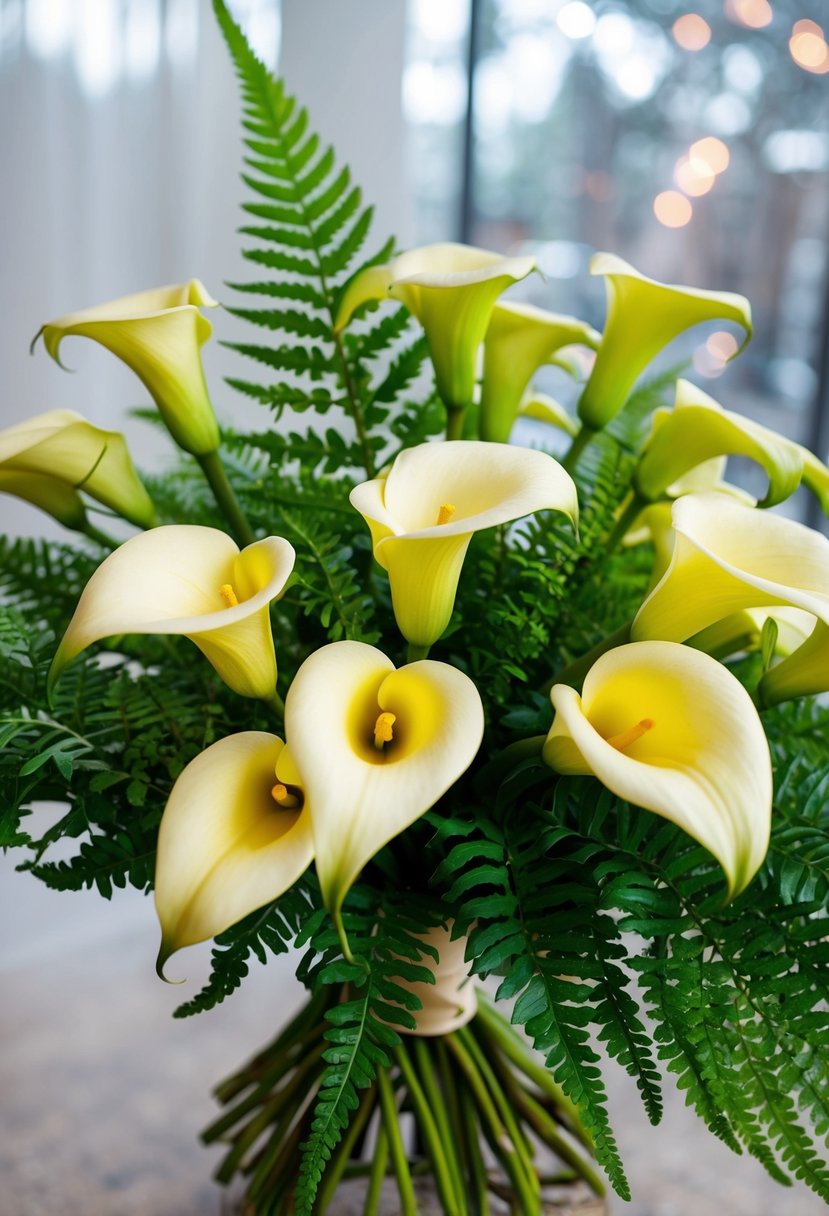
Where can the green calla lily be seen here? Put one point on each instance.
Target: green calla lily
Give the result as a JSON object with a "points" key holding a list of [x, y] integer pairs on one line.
{"points": [[541, 408], [521, 338], [452, 290], [159, 335], [697, 430], [643, 316]]}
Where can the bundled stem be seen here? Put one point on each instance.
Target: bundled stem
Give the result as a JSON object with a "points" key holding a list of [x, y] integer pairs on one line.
{"points": [[481, 1081]]}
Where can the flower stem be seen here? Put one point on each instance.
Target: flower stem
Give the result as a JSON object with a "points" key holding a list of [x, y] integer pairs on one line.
{"points": [[453, 1203], [408, 1203], [573, 454], [99, 537], [223, 492], [379, 1164], [454, 422], [574, 673], [633, 508], [275, 702], [416, 652]]}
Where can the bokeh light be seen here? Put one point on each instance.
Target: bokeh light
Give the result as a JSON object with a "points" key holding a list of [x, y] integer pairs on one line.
{"points": [[752, 13], [692, 32], [694, 175], [576, 20], [713, 152], [722, 345], [808, 47], [672, 209]]}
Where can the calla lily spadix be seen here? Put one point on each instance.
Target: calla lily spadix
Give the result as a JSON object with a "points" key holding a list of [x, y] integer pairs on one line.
{"points": [[423, 513], [698, 429], [643, 316], [671, 730], [374, 748], [232, 838], [50, 457], [190, 580], [451, 289], [520, 338], [159, 335], [728, 557]]}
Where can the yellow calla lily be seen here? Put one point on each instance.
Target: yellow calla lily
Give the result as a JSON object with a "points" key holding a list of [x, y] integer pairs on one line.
{"points": [[159, 335], [190, 580], [424, 512], [451, 289], [727, 557], [671, 730], [643, 316], [375, 748], [543, 408], [48, 458], [232, 838], [697, 430], [815, 477], [520, 338]]}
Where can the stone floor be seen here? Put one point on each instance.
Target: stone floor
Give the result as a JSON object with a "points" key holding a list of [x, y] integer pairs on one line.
{"points": [[102, 1093]]}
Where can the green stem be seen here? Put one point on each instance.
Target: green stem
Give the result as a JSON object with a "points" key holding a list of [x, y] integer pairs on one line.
{"points": [[574, 673], [228, 503], [630, 513], [416, 652], [516, 1132], [453, 1204], [502, 1144], [275, 703], [519, 1054], [454, 422], [439, 1105], [337, 917], [336, 1166], [408, 1203], [306, 1024], [354, 400], [573, 454], [99, 537], [468, 1128], [379, 1164]]}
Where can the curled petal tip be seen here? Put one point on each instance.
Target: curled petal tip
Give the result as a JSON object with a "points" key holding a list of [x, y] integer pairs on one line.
{"points": [[164, 954]]}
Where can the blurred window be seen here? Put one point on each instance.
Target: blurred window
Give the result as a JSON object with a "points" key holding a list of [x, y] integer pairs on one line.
{"points": [[689, 136]]}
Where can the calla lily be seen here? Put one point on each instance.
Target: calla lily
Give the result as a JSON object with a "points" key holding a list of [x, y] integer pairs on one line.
{"points": [[375, 748], [190, 580], [543, 408], [423, 513], [451, 289], [643, 316], [47, 459], [520, 338], [816, 477], [728, 557], [697, 430], [232, 838], [159, 335], [744, 631], [671, 730]]}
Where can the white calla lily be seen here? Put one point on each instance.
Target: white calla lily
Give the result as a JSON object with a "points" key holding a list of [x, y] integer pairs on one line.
{"points": [[232, 838], [424, 512], [670, 729], [520, 338], [451, 289], [643, 316], [374, 748], [728, 557], [159, 335], [698, 430], [49, 458], [190, 580]]}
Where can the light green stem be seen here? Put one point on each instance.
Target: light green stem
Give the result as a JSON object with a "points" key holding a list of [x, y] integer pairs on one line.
{"points": [[408, 1203], [275, 702], [99, 537], [454, 422], [228, 503], [379, 1164], [630, 513], [439, 1104], [453, 1204], [573, 454], [336, 1166], [415, 653]]}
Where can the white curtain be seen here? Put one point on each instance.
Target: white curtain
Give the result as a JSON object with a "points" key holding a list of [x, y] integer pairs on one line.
{"points": [[119, 162]]}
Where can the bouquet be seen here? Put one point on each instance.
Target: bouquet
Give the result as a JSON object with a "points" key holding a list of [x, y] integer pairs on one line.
{"points": [[454, 710]]}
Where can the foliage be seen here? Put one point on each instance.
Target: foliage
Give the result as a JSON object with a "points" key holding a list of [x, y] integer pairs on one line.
{"points": [[605, 925]]}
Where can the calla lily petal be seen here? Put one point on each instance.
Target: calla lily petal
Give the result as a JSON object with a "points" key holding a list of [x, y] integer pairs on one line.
{"points": [[671, 730], [63, 446], [159, 335], [643, 316], [542, 408], [184, 579], [520, 338], [697, 430], [816, 477], [56, 498], [375, 747], [744, 631], [225, 846], [728, 557], [469, 486], [451, 289]]}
